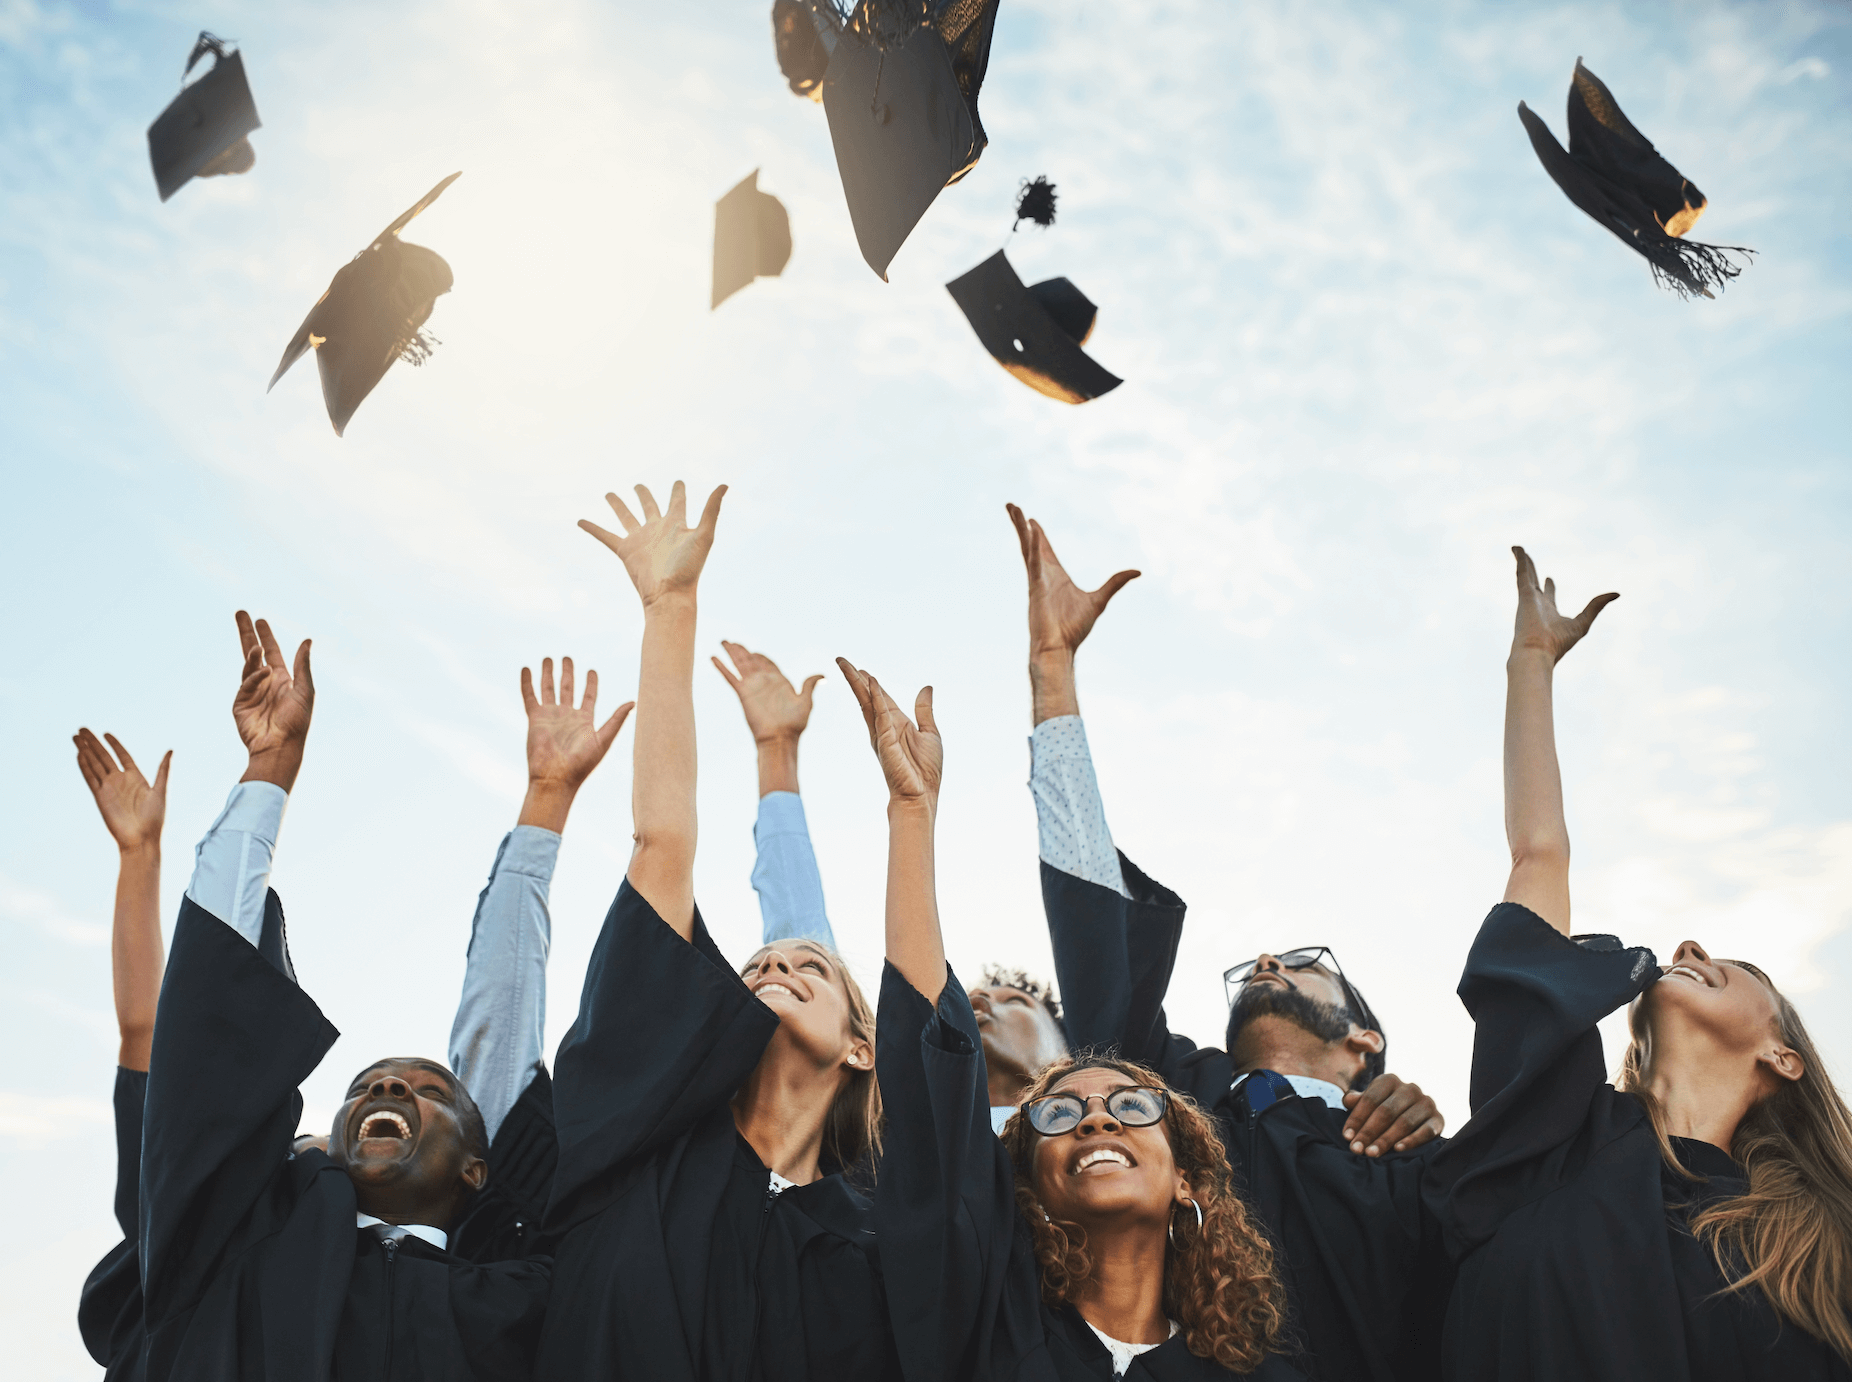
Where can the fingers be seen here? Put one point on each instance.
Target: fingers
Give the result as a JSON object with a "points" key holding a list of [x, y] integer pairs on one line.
{"points": [[609, 539], [247, 636], [1423, 1135], [302, 672], [626, 519], [1042, 551], [1375, 1109], [858, 683], [710, 515], [160, 775], [678, 504], [546, 682], [529, 702], [1022, 530], [1114, 584], [1586, 619], [590, 703], [273, 652], [922, 712], [721, 667], [1527, 570], [648, 502], [607, 732], [810, 684], [92, 762], [128, 764], [567, 687], [1549, 591]]}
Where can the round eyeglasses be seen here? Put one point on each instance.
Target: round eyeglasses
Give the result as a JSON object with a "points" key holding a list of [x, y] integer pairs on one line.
{"points": [[1136, 1106]]}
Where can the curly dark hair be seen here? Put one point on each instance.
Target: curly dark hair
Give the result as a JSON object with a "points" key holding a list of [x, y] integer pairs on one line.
{"points": [[1043, 992], [1220, 1282]]}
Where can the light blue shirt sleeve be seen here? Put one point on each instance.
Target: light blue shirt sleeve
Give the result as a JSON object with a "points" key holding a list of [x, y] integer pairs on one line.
{"points": [[785, 876], [500, 1032], [231, 865], [1069, 815]]}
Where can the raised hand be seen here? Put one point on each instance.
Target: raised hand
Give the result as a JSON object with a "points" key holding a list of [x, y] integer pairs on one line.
{"points": [[912, 757], [774, 711], [273, 706], [663, 555], [564, 742], [1539, 626], [133, 810], [1061, 614]]}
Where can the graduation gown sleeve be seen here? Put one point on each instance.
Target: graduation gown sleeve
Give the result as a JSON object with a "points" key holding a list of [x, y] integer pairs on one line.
{"points": [[109, 1314], [233, 1038], [1541, 1100], [666, 1031]]}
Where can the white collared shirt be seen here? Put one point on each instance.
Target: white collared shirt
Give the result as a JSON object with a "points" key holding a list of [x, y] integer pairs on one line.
{"points": [[436, 1237], [1123, 1353], [1307, 1088]]}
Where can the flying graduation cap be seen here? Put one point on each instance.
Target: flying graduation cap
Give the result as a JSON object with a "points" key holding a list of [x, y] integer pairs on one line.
{"points": [[1036, 333], [1614, 174], [899, 80], [752, 238], [371, 315], [202, 132]]}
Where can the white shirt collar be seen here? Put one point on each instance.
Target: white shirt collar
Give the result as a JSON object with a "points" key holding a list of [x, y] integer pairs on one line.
{"points": [[1307, 1088], [436, 1237]]}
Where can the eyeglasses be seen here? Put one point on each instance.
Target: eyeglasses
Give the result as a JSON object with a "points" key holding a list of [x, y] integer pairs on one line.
{"points": [[1238, 977], [1137, 1106]]}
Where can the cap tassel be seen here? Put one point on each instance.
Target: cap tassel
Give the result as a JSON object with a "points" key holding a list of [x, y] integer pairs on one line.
{"points": [[1035, 201]]}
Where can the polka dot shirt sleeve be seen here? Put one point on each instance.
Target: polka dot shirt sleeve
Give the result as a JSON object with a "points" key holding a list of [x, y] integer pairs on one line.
{"points": [[1069, 814]]}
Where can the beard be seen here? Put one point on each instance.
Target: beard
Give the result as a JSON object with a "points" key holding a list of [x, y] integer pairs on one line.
{"points": [[1326, 1021]]}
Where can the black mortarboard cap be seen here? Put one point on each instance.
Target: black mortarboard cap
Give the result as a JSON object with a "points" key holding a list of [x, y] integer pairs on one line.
{"points": [[371, 315], [1614, 174], [1035, 333], [901, 94], [752, 238], [202, 132]]}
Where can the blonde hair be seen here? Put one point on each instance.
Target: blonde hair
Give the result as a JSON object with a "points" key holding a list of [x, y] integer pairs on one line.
{"points": [[1790, 1234], [1219, 1280], [852, 1133]]}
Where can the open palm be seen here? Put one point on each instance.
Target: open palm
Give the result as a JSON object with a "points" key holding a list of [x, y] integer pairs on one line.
{"points": [[274, 703], [662, 554], [1061, 614], [1539, 624], [912, 757], [133, 808], [565, 742], [774, 708]]}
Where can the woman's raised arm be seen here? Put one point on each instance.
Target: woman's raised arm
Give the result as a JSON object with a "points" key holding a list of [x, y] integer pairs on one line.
{"points": [[1534, 824], [912, 760], [664, 557]]}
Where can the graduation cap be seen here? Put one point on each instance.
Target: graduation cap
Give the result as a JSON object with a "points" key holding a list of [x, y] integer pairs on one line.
{"points": [[202, 132], [1035, 333], [1614, 174], [752, 238], [901, 93], [805, 33], [371, 315]]}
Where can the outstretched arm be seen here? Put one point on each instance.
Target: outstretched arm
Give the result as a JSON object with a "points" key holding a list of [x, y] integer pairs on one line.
{"points": [[1070, 817], [1534, 824], [499, 1035], [912, 760], [664, 557], [273, 707], [785, 875], [133, 812]]}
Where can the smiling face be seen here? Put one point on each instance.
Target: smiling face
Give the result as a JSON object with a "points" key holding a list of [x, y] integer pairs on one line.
{"points": [[410, 1141], [804, 984], [1103, 1175], [1018, 1031], [1724, 1009]]}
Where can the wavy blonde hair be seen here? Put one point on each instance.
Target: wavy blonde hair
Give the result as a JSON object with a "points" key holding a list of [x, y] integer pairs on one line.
{"points": [[1790, 1235], [1220, 1284]]}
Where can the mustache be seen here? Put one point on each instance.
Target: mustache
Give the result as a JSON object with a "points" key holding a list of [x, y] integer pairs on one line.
{"points": [[1326, 1021]]}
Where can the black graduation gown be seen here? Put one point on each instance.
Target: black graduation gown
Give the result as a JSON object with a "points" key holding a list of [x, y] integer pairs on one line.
{"points": [[109, 1314], [505, 1219], [1363, 1261], [672, 1261], [1576, 1262], [962, 1274], [251, 1264]]}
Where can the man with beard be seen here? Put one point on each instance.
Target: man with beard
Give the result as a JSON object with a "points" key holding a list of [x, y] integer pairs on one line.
{"points": [[1329, 1149], [257, 1264]]}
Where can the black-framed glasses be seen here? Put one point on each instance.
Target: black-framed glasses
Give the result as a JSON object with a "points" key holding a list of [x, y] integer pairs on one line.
{"points": [[1136, 1106], [1237, 977]]}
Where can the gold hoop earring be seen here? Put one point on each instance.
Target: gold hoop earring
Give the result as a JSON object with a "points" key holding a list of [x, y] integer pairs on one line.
{"points": [[1170, 1230]]}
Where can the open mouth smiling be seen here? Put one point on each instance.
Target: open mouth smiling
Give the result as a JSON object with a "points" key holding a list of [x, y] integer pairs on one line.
{"points": [[1101, 1156], [771, 986], [1687, 973]]}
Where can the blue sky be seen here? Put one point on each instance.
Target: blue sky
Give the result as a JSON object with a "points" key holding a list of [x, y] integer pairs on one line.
{"points": [[1367, 346]]}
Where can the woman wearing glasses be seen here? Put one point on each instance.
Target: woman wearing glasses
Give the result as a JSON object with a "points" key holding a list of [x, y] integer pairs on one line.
{"points": [[1696, 1221]]}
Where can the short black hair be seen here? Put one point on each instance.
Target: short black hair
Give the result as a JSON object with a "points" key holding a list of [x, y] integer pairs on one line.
{"points": [[469, 1117], [1043, 992]]}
